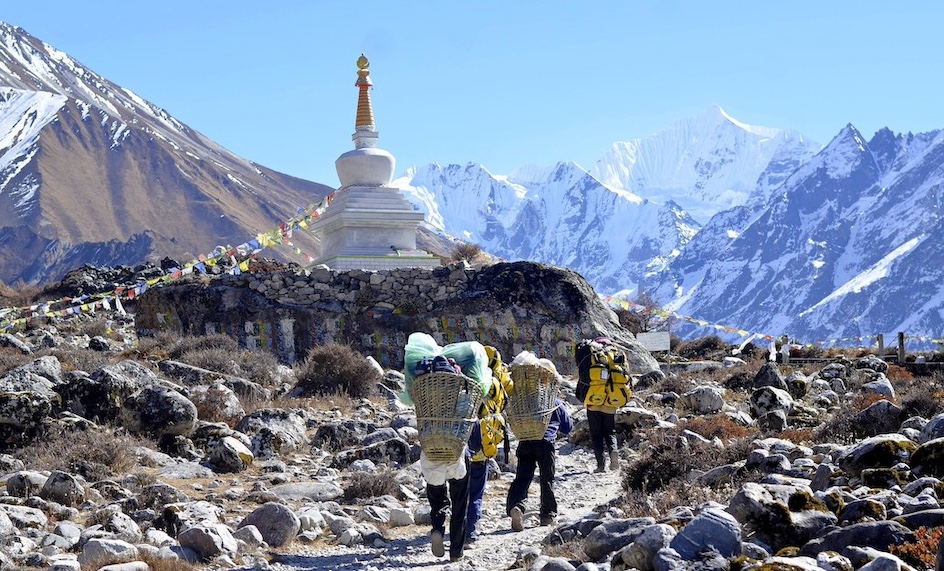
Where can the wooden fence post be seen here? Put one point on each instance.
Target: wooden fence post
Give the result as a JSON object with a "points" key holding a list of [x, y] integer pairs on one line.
{"points": [[901, 347], [881, 345]]}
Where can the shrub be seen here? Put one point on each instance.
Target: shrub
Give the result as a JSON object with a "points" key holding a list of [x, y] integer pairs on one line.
{"points": [[467, 251], [716, 426], [366, 485], [78, 359], [670, 458], [703, 348], [921, 553], [922, 396], [216, 341], [19, 294], [95, 454], [156, 348], [335, 369], [11, 358]]}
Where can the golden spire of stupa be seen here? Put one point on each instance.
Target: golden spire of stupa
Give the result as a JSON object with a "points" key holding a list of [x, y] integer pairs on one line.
{"points": [[365, 114]]}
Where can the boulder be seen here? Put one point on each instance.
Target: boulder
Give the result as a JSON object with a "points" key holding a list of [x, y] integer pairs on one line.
{"points": [[156, 410], [276, 522]]}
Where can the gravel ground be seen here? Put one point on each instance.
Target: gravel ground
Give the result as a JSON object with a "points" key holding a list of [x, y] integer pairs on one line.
{"points": [[578, 492]]}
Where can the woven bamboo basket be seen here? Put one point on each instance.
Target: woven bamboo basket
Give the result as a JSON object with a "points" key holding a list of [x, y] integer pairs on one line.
{"points": [[531, 400], [446, 407]]}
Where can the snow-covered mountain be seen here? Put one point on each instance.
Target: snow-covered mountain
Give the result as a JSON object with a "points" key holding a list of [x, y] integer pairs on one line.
{"points": [[561, 216], [705, 164], [848, 246], [628, 221], [92, 173]]}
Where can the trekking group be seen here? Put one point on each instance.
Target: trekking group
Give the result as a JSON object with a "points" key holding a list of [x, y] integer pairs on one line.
{"points": [[456, 473]]}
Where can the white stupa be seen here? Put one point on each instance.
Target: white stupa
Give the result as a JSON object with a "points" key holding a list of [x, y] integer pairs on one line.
{"points": [[369, 225]]}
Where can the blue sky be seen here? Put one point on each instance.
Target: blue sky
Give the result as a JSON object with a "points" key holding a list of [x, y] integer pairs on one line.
{"points": [[503, 83]]}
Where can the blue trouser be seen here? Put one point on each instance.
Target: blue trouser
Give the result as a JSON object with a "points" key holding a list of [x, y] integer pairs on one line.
{"points": [[478, 475]]}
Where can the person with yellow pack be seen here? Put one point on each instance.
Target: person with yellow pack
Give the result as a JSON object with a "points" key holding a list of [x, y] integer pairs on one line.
{"points": [[486, 437], [603, 386]]}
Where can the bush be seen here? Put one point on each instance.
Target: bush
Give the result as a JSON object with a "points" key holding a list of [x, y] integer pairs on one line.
{"points": [[191, 344], [922, 396], [703, 348], [78, 359], [11, 358], [922, 553], [670, 457], [18, 295], [468, 252], [95, 454], [335, 369], [716, 426], [156, 348], [363, 485]]}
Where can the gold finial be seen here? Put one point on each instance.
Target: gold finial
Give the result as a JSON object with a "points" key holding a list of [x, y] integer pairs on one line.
{"points": [[365, 114]]}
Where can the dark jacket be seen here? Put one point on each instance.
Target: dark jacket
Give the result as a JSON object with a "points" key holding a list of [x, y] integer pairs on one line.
{"points": [[560, 422]]}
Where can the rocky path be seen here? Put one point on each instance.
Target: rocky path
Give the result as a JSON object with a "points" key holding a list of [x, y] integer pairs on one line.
{"points": [[578, 492]]}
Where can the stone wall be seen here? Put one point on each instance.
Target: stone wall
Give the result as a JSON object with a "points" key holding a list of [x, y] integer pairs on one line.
{"points": [[513, 306]]}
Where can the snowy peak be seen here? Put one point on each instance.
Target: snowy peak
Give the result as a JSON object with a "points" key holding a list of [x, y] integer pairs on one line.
{"points": [[706, 163]]}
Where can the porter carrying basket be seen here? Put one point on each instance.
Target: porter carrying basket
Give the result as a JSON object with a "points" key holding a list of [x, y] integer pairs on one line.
{"points": [[446, 406], [531, 400]]}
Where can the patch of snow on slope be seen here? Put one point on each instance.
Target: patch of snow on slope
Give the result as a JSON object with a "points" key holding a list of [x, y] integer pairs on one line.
{"points": [[23, 114], [871, 275]]}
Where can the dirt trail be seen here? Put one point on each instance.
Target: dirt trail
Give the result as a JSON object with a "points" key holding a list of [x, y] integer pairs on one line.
{"points": [[578, 492]]}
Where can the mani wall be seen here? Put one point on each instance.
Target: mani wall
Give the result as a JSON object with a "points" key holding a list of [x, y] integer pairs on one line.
{"points": [[513, 306]]}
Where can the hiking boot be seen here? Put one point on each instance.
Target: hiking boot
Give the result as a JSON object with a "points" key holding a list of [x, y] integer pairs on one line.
{"points": [[436, 542], [516, 519], [548, 520], [455, 557], [600, 469], [614, 460]]}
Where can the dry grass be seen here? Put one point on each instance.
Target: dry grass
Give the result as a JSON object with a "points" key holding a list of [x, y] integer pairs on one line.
{"points": [[11, 358], [156, 563], [77, 359], [18, 295], [657, 504], [95, 454], [703, 348]]}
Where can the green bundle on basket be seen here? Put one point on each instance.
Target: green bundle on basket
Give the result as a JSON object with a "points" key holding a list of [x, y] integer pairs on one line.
{"points": [[532, 399], [446, 406]]}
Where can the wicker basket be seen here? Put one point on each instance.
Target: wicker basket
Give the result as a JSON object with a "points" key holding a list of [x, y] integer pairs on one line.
{"points": [[531, 400], [446, 407]]}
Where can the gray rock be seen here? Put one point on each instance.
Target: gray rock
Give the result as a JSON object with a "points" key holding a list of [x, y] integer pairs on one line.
{"points": [[881, 417], [25, 483], [229, 455], [208, 540], [613, 535], [879, 535], [157, 410], [769, 376], [713, 529], [185, 471], [106, 552], [934, 428], [871, 362], [780, 515], [62, 488], [928, 459], [219, 399], [275, 431], [640, 554], [882, 451], [314, 491], [276, 522], [880, 385], [250, 535], [7, 340]]}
